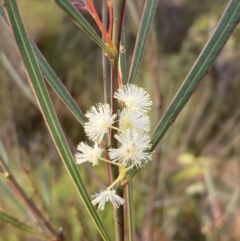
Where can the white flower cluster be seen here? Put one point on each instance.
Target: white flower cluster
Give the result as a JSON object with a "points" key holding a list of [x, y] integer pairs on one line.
{"points": [[132, 135]]}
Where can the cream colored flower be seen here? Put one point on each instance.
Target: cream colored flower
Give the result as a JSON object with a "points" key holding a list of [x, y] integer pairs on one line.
{"points": [[135, 98], [133, 120], [99, 121], [88, 154], [134, 148], [105, 196]]}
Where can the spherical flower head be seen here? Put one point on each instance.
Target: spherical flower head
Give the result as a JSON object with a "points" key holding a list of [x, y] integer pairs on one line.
{"points": [[99, 121], [88, 154], [105, 196], [134, 148], [133, 120], [135, 98]]}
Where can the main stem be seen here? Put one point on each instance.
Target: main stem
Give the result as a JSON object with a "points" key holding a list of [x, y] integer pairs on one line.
{"points": [[118, 10]]}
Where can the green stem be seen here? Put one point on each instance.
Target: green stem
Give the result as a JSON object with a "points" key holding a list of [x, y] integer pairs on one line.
{"points": [[120, 177], [119, 6], [122, 57], [112, 163], [130, 212]]}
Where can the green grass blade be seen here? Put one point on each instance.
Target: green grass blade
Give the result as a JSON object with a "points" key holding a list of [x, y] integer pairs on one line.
{"points": [[47, 109], [58, 86], [18, 224], [205, 60], [25, 88], [82, 23], [144, 28]]}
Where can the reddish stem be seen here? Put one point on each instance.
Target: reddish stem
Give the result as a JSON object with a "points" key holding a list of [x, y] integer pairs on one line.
{"points": [[110, 10], [91, 8]]}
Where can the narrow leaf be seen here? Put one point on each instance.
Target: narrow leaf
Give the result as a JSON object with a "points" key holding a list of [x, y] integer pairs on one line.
{"points": [[54, 82], [205, 60], [25, 89], [82, 23], [18, 224], [143, 31], [207, 57], [58, 86], [47, 109]]}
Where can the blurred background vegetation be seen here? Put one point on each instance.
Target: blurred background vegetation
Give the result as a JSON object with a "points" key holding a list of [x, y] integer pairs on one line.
{"points": [[190, 191]]}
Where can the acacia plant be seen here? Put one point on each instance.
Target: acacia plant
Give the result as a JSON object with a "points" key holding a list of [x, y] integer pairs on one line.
{"points": [[119, 130]]}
